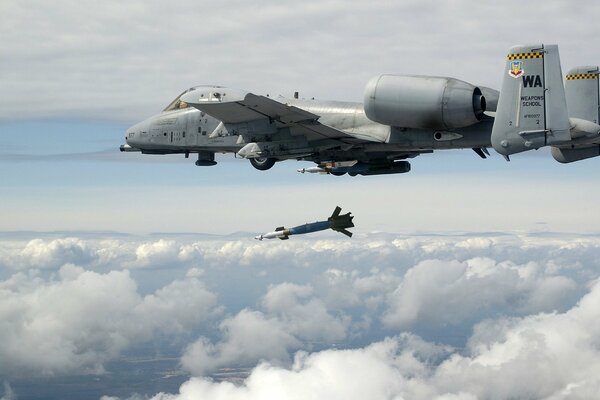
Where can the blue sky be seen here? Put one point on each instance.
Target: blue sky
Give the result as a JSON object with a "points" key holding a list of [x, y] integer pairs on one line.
{"points": [[69, 175], [71, 86]]}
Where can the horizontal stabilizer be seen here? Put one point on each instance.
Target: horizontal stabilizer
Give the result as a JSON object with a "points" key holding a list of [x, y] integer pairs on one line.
{"points": [[568, 155], [281, 228]]}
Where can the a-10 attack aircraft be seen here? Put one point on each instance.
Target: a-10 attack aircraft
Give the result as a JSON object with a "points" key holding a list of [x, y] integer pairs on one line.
{"points": [[402, 116]]}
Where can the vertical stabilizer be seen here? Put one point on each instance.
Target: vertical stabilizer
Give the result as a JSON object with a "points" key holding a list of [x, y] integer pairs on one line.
{"points": [[582, 94], [532, 110]]}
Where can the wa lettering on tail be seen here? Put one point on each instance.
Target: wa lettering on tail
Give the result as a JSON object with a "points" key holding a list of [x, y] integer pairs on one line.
{"points": [[532, 81]]}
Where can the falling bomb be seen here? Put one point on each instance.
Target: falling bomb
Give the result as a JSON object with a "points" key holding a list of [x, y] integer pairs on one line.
{"points": [[336, 222]]}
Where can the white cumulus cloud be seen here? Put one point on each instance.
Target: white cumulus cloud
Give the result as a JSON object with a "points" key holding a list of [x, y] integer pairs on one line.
{"points": [[462, 313], [292, 318], [449, 292], [543, 356], [80, 319], [40, 253]]}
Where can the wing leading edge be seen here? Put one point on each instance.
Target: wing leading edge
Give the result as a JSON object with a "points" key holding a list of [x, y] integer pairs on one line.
{"points": [[240, 107]]}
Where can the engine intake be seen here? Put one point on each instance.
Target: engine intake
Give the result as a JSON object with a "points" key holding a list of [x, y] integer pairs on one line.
{"points": [[410, 101]]}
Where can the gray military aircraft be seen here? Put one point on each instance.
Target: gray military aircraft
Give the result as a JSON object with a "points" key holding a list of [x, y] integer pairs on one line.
{"points": [[402, 117]]}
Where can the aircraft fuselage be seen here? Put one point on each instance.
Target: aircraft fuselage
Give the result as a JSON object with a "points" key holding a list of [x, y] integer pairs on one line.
{"points": [[189, 130]]}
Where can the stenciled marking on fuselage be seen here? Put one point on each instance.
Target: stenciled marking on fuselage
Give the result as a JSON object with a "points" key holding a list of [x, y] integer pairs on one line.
{"points": [[166, 121], [532, 101]]}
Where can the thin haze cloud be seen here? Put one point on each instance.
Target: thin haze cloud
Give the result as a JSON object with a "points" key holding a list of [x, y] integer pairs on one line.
{"points": [[123, 61]]}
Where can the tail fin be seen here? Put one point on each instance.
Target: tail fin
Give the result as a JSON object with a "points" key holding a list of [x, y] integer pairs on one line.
{"points": [[345, 232], [336, 212], [583, 101], [339, 223], [582, 93], [532, 110]]}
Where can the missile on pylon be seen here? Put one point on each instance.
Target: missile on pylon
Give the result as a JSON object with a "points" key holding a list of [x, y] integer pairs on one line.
{"points": [[354, 168], [313, 170], [336, 222]]}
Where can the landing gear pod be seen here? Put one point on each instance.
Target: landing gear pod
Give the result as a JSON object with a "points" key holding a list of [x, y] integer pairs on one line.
{"points": [[423, 102]]}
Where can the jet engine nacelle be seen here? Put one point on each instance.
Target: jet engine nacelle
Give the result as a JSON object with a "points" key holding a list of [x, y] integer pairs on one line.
{"points": [[410, 101]]}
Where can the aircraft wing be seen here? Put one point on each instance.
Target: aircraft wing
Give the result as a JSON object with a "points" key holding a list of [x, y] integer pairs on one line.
{"points": [[235, 107]]}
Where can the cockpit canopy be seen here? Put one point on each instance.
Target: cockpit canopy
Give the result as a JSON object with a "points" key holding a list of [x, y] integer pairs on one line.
{"points": [[177, 104]]}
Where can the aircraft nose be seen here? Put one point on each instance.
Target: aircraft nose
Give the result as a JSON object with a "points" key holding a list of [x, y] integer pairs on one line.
{"points": [[133, 133]]}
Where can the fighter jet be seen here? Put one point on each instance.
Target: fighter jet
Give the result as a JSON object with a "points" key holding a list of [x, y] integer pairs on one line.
{"points": [[402, 117], [336, 222]]}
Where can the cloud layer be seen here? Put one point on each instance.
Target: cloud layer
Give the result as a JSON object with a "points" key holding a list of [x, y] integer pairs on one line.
{"points": [[438, 314], [542, 356], [77, 320]]}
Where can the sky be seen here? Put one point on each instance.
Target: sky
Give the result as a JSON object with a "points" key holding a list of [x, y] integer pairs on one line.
{"points": [[75, 75], [464, 276]]}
